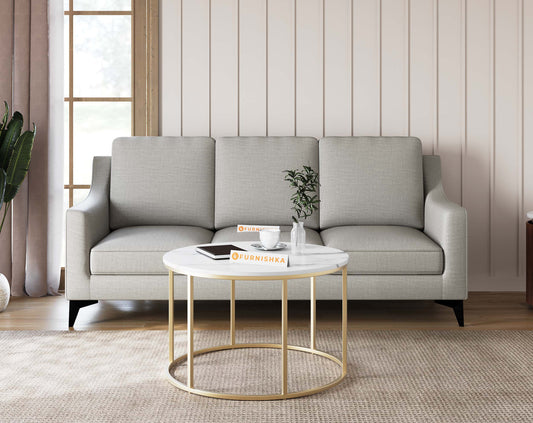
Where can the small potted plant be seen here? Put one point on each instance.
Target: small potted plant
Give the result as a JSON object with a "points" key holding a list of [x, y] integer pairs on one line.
{"points": [[305, 201], [15, 156]]}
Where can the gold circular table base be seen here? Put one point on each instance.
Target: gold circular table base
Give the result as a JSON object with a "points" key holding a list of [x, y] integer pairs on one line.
{"points": [[266, 397]]}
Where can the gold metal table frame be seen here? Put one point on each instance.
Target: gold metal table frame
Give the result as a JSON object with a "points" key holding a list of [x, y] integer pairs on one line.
{"points": [[284, 394]]}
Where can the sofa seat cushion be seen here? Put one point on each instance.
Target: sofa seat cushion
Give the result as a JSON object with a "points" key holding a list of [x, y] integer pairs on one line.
{"points": [[381, 250], [230, 234], [140, 249]]}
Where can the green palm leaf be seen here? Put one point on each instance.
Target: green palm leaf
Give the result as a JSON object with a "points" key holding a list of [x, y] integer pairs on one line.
{"points": [[19, 164], [3, 180], [9, 139]]}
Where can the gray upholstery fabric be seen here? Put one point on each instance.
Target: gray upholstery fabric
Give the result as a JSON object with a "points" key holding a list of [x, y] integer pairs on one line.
{"points": [[230, 234], [446, 224], [381, 250], [249, 181], [371, 181], [360, 287], [140, 249], [162, 181], [87, 223]]}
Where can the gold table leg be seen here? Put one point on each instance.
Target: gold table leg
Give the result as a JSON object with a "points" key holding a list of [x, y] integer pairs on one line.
{"points": [[344, 320], [313, 313], [284, 327], [171, 316], [190, 331], [232, 314], [188, 357]]}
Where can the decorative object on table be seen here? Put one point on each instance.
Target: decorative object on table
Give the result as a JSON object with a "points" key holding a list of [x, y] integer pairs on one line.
{"points": [[217, 252], [305, 202], [256, 257], [269, 238], [15, 156], [279, 246], [254, 228]]}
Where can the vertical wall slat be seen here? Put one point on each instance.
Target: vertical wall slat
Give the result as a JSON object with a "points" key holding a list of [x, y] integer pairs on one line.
{"points": [[309, 75], [337, 68], [394, 67], [170, 69], [196, 67], [224, 60], [280, 67], [252, 73], [528, 106], [476, 161], [506, 138], [422, 98], [366, 67], [450, 96]]}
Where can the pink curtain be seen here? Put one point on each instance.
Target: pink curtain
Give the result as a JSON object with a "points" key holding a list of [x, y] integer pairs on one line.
{"points": [[24, 84]]}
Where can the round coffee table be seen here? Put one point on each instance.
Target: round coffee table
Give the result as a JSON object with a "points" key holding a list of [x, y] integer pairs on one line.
{"points": [[316, 261]]}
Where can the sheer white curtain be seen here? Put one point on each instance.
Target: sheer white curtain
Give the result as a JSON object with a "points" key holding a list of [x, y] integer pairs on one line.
{"points": [[31, 81]]}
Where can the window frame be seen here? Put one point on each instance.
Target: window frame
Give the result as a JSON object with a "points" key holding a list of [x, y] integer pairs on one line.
{"points": [[144, 75]]}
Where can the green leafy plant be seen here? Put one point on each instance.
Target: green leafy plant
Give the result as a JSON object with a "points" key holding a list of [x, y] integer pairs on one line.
{"points": [[15, 156], [305, 198]]}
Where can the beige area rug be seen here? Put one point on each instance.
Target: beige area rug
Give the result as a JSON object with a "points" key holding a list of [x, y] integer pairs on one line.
{"points": [[394, 376]]}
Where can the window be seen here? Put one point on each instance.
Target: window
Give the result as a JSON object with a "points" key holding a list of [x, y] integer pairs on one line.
{"points": [[111, 84]]}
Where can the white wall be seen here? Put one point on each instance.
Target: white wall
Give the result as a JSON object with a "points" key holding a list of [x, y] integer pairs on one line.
{"points": [[458, 74]]}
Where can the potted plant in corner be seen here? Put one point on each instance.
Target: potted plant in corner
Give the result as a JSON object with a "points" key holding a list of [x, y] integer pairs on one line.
{"points": [[305, 201], [15, 156]]}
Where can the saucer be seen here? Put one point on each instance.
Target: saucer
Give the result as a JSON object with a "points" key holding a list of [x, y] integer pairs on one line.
{"points": [[280, 246]]}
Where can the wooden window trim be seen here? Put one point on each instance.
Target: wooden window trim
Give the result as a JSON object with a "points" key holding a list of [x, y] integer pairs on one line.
{"points": [[145, 67]]}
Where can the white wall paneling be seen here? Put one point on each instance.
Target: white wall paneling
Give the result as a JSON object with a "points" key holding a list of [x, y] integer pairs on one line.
{"points": [[458, 74], [225, 61], [252, 67], [527, 112], [195, 67], [394, 67], [366, 67], [506, 143], [281, 66], [170, 69], [338, 67], [309, 68]]}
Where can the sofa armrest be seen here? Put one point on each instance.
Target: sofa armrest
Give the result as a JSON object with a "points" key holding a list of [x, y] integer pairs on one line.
{"points": [[446, 224], [87, 224]]}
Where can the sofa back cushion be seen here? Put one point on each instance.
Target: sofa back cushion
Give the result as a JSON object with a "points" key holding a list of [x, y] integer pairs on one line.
{"points": [[162, 181], [371, 181], [250, 188]]}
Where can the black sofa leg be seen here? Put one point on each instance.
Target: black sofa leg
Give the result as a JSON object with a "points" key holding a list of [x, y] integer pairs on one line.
{"points": [[457, 306], [74, 308]]}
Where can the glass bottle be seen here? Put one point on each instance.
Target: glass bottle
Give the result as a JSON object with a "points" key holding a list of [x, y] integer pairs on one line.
{"points": [[297, 238]]}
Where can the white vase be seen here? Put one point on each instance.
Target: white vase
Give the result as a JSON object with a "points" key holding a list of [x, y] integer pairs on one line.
{"points": [[5, 292], [297, 238]]}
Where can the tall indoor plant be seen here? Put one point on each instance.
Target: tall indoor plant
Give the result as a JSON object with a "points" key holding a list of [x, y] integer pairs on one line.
{"points": [[15, 156], [305, 201]]}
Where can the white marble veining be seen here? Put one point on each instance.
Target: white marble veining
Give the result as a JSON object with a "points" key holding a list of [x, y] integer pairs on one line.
{"points": [[315, 259]]}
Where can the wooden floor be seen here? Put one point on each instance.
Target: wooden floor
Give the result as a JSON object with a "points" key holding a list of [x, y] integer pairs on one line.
{"points": [[482, 311]]}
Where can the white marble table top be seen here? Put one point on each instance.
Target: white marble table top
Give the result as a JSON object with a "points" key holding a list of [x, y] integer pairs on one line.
{"points": [[315, 260]]}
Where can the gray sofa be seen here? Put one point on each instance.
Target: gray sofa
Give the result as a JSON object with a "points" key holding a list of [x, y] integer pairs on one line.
{"points": [[382, 201]]}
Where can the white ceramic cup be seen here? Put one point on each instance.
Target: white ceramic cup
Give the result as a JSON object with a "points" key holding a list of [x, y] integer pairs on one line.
{"points": [[269, 238]]}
